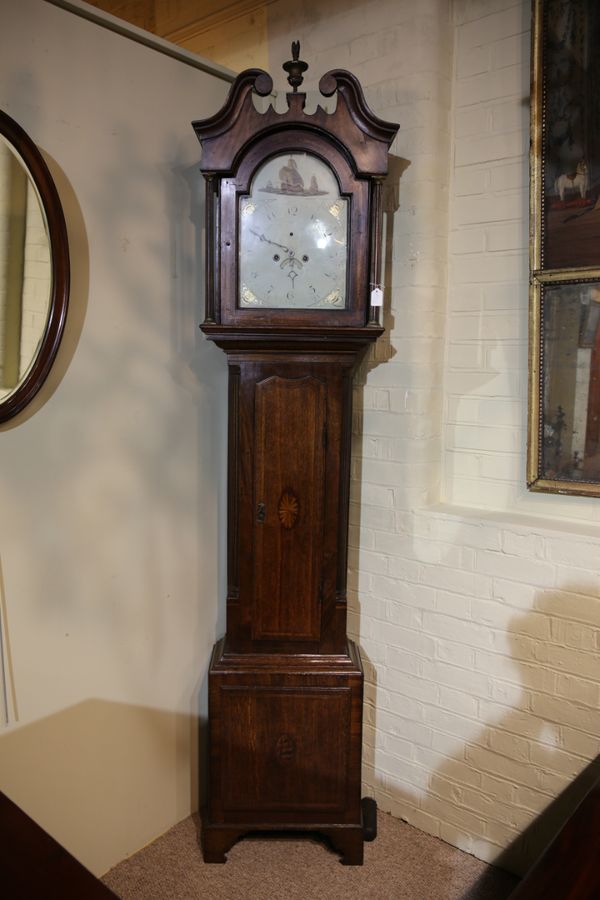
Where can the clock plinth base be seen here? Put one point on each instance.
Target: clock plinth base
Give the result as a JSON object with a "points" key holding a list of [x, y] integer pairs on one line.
{"points": [[347, 840], [285, 749]]}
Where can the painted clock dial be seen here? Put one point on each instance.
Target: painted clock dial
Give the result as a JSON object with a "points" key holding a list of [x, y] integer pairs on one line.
{"points": [[293, 236]]}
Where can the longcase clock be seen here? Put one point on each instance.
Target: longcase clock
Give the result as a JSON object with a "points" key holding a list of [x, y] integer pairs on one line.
{"points": [[293, 230]]}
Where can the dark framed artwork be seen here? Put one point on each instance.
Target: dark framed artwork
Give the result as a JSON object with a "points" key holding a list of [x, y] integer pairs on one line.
{"points": [[564, 356]]}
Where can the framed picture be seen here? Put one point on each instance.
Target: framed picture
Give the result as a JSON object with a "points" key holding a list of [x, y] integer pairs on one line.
{"points": [[564, 359]]}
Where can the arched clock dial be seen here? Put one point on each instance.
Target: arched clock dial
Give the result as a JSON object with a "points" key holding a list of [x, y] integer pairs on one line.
{"points": [[293, 236]]}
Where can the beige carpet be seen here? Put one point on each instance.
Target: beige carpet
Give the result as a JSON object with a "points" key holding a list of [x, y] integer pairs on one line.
{"points": [[401, 864]]}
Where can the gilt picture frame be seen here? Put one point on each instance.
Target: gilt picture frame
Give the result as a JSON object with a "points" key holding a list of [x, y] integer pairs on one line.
{"points": [[564, 264]]}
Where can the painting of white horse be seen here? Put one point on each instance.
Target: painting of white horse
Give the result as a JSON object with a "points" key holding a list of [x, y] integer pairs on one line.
{"points": [[576, 181]]}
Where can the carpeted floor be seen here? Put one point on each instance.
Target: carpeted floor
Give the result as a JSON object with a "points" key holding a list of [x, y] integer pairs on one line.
{"points": [[401, 864]]}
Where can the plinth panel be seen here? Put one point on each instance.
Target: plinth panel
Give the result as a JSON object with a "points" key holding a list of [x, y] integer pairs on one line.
{"points": [[285, 740], [285, 748]]}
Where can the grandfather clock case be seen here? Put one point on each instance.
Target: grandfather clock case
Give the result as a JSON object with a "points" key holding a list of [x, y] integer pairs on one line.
{"points": [[293, 235]]}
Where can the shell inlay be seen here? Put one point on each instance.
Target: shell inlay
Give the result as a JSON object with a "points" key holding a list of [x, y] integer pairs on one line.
{"points": [[285, 748], [288, 509]]}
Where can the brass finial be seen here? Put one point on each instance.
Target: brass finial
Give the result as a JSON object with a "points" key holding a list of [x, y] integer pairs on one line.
{"points": [[295, 67]]}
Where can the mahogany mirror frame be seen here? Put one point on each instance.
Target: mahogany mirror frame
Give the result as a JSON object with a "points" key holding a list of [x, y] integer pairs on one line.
{"points": [[58, 302]]}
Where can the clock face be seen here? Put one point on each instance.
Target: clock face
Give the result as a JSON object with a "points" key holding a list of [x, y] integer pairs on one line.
{"points": [[293, 236]]}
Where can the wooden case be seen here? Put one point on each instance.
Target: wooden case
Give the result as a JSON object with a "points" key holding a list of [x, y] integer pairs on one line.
{"points": [[285, 749], [285, 684]]}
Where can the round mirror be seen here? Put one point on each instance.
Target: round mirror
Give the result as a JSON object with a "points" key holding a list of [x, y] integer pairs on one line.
{"points": [[34, 269]]}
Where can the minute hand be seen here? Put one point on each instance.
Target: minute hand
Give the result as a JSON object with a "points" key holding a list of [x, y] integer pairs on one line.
{"points": [[266, 240]]}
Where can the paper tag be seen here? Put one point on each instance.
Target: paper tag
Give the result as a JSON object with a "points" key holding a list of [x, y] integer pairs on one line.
{"points": [[376, 297]]}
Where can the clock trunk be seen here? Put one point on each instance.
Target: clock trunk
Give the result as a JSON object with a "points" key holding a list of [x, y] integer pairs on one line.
{"points": [[289, 428]]}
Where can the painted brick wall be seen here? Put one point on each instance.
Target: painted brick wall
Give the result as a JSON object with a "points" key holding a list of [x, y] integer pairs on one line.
{"points": [[485, 407], [486, 376], [475, 603], [530, 629]]}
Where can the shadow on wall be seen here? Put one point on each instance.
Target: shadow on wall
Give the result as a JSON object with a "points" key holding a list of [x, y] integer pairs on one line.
{"points": [[92, 776], [502, 779]]}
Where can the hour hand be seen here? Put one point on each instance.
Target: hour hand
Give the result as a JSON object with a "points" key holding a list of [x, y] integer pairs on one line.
{"points": [[266, 240]]}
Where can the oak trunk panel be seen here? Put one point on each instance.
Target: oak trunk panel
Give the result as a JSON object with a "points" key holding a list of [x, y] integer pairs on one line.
{"points": [[290, 421], [289, 473]]}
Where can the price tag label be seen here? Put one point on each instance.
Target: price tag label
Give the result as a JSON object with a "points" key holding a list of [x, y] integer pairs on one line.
{"points": [[377, 297]]}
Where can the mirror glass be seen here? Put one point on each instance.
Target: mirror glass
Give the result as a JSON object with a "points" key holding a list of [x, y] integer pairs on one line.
{"points": [[34, 269], [25, 270], [571, 382]]}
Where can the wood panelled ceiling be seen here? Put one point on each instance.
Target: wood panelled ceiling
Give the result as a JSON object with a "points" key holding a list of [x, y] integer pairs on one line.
{"points": [[178, 20]]}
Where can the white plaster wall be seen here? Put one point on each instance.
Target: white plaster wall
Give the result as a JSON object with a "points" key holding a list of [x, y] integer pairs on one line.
{"points": [[476, 603], [111, 485]]}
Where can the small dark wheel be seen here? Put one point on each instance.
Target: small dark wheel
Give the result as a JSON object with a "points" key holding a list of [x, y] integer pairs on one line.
{"points": [[305, 258], [277, 257], [369, 818]]}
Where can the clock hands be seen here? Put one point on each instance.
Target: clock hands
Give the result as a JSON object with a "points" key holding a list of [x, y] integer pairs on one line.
{"points": [[291, 260], [266, 240], [294, 264]]}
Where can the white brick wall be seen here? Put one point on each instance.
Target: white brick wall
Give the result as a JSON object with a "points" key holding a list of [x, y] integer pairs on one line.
{"points": [[486, 357], [486, 353], [479, 619], [489, 680]]}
